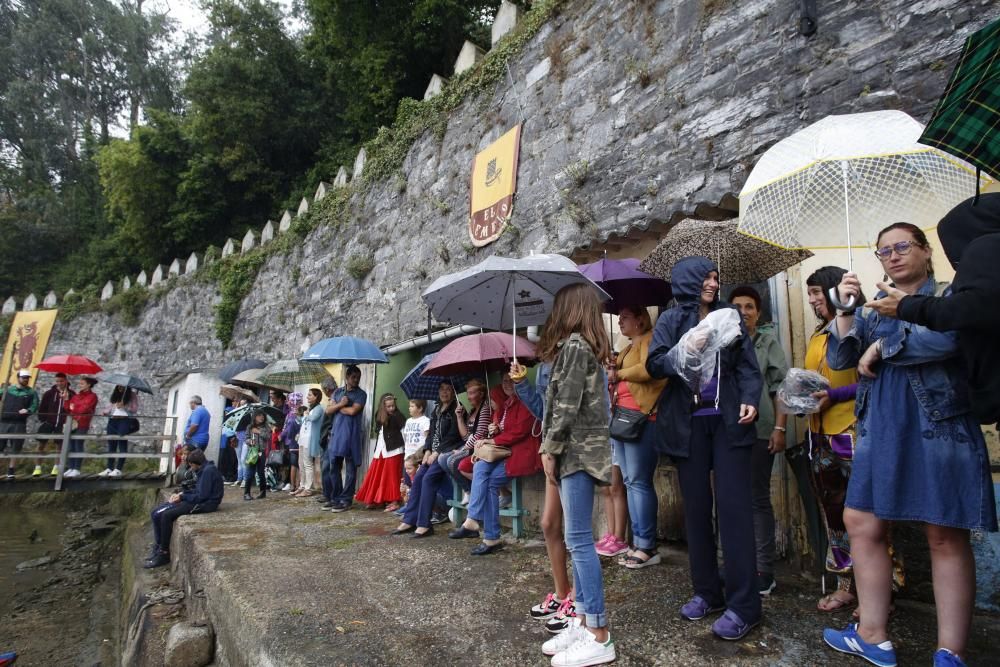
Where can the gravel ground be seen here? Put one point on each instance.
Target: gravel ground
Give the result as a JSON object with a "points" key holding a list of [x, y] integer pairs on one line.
{"points": [[287, 584]]}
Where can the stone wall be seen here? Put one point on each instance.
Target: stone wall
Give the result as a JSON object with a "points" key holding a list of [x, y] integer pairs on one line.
{"points": [[634, 113]]}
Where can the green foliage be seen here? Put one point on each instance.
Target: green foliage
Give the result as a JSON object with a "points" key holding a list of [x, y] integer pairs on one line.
{"points": [[360, 265], [5, 323], [235, 276], [128, 304]]}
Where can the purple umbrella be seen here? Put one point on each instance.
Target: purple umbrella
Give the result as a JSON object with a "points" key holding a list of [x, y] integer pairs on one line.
{"points": [[627, 285]]}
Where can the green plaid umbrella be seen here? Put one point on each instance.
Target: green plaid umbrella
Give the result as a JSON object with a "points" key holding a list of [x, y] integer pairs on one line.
{"points": [[966, 122], [290, 372]]}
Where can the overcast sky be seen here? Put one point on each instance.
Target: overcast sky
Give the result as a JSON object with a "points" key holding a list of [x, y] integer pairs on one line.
{"points": [[190, 17]]}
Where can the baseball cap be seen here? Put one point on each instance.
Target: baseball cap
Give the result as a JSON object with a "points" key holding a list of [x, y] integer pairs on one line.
{"points": [[24, 373]]}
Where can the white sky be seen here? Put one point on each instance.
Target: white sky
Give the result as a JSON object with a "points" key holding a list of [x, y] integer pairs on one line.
{"points": [[190, 17]]}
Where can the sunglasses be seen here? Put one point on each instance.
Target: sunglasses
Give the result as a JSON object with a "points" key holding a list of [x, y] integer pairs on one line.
{"points": [[901, 248]]}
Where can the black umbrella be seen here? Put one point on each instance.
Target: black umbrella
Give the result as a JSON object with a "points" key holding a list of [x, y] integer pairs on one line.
{"points": [[234, 368], [124, 380]]}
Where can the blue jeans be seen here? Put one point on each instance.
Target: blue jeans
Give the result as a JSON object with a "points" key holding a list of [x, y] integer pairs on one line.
{"points": [[117, 426], [241, 455], [427, 484], [342, 489], [576, 492], [449, 463], [484, 503], [638, 461], [76, 446]]}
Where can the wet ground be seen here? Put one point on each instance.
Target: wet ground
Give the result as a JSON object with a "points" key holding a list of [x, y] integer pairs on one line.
{"points": [[287, 584]]}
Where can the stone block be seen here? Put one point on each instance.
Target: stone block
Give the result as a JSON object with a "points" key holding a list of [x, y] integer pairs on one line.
{"points": [[304, 204], [341, 179], [175, 268], [157, 276], [191, 265], [249, 241], [108, 291], [321, 190], [189, 645], [30, 303], [537, 73], [507, 17], [229, 248], [359, 164], [468, 57], [435, 86], [9, 306], [51, 300], [126, 284], [285, 222], [267, 233], [140, 279]]}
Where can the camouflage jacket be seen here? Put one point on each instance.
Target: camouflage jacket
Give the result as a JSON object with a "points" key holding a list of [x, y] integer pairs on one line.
{"points": [[575, 427]]}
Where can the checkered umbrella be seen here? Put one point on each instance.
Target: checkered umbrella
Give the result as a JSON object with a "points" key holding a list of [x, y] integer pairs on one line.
{"points": [[417, 385], [290, 372], [966, 121]]}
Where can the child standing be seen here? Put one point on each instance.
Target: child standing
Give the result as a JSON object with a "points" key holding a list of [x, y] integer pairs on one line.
{"points": [[258, 440], [577, 458], [381, 484]]}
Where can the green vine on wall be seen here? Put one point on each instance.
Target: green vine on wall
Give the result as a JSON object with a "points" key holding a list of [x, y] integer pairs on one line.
{"points": [[235, 276]]}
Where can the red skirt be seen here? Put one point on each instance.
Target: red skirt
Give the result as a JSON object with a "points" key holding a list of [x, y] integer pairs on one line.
{"points": [[381, 484]]}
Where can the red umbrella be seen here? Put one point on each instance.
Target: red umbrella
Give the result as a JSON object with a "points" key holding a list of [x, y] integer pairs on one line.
{"points": [[70, 364], [478, 353]]}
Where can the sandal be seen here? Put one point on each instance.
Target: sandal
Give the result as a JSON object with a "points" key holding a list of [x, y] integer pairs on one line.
{"points": [[634, 562], [832, 602], [623, 559]]}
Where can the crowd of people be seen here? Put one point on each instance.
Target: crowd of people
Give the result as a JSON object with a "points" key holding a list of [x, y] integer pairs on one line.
{"points": [[896, 436]]}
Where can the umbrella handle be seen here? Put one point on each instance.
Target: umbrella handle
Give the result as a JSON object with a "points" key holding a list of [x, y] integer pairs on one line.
{"points": [[837, 303]]}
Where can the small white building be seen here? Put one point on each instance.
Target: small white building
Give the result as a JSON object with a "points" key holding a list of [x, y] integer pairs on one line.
{"points": [[178, 389]]}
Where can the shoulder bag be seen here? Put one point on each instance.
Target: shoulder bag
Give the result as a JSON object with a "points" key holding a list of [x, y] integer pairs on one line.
{"points": [[627, 424]]}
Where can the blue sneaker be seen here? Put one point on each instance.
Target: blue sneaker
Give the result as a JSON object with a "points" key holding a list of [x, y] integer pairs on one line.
{"points": [[730, 626], [945, 658], [697, 608], [849, 641]]}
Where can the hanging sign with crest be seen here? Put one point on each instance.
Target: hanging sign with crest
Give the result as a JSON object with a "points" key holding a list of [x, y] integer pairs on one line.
{"points": [[494, 182]]}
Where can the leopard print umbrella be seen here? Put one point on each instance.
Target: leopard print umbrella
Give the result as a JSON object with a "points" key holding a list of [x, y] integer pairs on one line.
{"points": [[740, 258]]}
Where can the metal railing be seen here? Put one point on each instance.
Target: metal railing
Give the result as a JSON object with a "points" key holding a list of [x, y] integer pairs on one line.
{"points": [[165, 453]]}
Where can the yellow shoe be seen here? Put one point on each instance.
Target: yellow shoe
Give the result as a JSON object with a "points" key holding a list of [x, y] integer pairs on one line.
{"points": [[55, 471], [38, 472]]}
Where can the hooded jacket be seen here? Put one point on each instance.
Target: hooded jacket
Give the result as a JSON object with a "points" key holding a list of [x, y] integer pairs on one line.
{"points": [[970, 235], [208, 490], [740, 381]]}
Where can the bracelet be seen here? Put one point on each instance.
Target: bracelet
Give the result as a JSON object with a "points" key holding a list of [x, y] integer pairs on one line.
{"points": [[780, 428]]}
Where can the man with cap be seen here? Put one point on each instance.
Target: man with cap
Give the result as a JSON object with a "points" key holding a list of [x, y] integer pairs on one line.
{"points": [[196, 430], [19, 401]]}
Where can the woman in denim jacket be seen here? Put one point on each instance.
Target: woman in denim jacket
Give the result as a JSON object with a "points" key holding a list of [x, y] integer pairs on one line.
{"points": [[919, 456]]}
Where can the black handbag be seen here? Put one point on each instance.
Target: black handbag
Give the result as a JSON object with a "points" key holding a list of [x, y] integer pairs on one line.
{"points": [[133, 426], [627, 424]]}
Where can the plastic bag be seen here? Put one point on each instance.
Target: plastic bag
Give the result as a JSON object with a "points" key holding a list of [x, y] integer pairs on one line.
{"points": [[695, 355], [795, 393]]}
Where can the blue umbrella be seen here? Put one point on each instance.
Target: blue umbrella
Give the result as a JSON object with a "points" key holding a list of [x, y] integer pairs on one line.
{"points": [[345, 350], [415, 385]]}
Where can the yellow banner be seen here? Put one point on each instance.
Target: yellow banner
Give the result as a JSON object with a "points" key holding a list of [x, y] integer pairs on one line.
{"points": [[494, 182], [26, 344]]}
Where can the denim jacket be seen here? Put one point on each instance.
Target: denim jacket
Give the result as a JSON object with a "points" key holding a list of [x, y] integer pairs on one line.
{"points": [[533, 395], [933, 368]]}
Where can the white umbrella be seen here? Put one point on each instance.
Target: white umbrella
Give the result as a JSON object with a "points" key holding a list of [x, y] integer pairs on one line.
{"points": [[837, 182], [499, 292]]}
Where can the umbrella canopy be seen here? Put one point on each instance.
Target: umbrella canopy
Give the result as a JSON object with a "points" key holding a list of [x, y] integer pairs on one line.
{"points": [[290, 372], [418, 385], [70, 364], [740, 259], [234, 368], [837, 182], [966, 122], [345, 350], [234, 393], [240, 418], [480, 353], [125, 380], [250, 378], [627, 285], [502, 292]]}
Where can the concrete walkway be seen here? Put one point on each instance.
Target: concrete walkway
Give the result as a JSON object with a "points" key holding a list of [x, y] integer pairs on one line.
{"points": [[286, 584]]}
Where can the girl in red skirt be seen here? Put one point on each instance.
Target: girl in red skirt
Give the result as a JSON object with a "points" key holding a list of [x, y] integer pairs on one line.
{"points": [[381, 484]]}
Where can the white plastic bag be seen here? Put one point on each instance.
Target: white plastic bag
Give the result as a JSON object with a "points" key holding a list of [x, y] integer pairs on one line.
{"points": [[795, 395], [695, 355]]}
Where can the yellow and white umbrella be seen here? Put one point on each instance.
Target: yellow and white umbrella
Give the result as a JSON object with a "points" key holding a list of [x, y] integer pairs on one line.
{"points": [[837, 182]]}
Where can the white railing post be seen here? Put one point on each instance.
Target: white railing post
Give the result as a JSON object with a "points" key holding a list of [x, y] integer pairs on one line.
{"points": [[64, 452]]}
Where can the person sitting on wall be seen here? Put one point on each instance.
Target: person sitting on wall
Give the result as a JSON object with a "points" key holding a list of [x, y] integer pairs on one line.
{"points": [[204, 497]]}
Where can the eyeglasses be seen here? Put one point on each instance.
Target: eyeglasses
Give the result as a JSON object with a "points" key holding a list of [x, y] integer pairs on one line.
{"points": [[901, 248]]}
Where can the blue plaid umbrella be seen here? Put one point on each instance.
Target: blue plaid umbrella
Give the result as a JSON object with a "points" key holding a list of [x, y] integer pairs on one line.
{"points": [[415, 385]]}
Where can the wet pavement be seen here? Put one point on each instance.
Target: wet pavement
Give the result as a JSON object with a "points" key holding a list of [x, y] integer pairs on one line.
{"points": [[287, 584]]}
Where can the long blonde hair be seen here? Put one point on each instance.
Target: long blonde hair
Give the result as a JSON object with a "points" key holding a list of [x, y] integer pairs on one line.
{"points": [[577, 309]]}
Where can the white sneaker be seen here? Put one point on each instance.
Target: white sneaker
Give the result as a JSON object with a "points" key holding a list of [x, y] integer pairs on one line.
{"points": [[115, 473], [104, 473], [72, 472], [286, 487], [465, 498], [564, 639], [586, 651]]}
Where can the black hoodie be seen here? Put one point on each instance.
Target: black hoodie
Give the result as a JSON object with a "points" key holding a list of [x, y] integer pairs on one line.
{"points": [[971, 239]]}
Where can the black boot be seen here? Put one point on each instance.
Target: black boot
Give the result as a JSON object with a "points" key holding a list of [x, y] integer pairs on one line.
{"points": [[159, 560], [247, 496]]}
